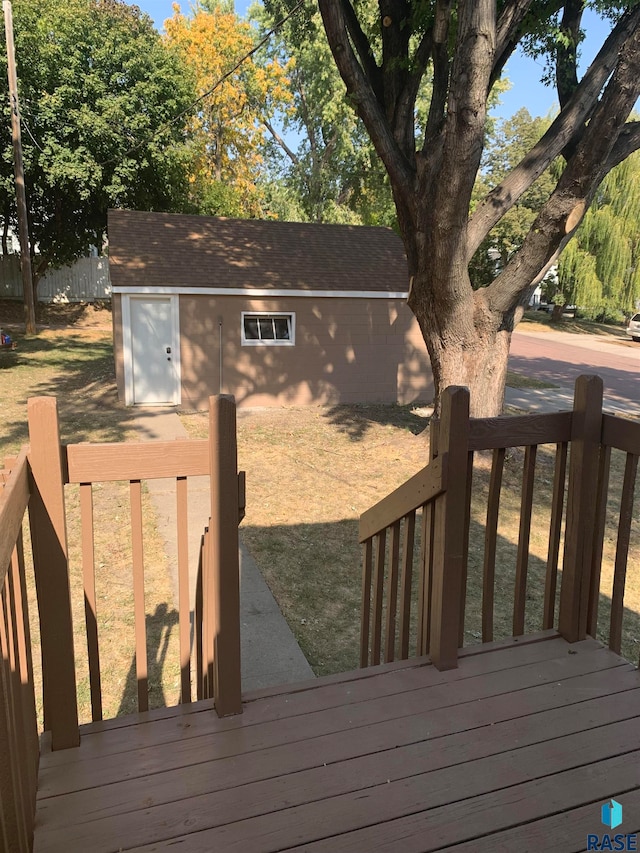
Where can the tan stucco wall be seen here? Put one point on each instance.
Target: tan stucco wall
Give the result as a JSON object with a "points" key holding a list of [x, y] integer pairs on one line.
{"points": [[346, 350]]}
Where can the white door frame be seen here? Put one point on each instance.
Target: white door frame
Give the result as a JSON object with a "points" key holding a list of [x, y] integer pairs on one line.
{"points": [[127, 345]]}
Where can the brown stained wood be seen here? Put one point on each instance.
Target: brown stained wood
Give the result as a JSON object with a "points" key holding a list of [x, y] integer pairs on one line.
{"points": [[568, 831], [183, 588], [365, 605], [14, 499], [198, 616], [49, 545], [9, 644], [522, 561], [392, 593], [429, 755], [581, 508], [519, 430], [23, 710], [92, 463], [621, 433], [598, 538], [308, 790], [425, 568], [448, 825], [465, 551], [449, 536], [405, 582], [378, 592], [223, 464], [209, 627], [422, 632], [490, 544], [242, 495], [555, 530], [90, 607], [11, 779], [137, 553], [422, 487], [180, 722], [25, 672], [476, 700], [391, 712], [622, 551]]}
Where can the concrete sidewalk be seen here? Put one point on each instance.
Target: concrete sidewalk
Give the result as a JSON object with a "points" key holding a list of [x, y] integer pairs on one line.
{"points": [[270, 653], [561, 399]]}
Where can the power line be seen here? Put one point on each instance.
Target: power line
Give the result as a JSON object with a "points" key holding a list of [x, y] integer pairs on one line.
{"points": [[206, 94]]}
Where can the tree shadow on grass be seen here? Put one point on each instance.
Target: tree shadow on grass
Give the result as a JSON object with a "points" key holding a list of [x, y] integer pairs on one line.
{"points": [[355, 419], [77, 369]]}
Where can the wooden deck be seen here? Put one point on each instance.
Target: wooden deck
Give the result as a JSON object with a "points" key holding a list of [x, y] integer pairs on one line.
{"points": [[515, 751]]}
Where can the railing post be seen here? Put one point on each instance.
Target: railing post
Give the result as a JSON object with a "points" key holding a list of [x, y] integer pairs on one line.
{"points": [[226, 567], [586, 428], [47, 521], [449, 535]]}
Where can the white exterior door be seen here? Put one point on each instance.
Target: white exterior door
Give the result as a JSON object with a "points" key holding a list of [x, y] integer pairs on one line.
{"points": [[154, 350]]}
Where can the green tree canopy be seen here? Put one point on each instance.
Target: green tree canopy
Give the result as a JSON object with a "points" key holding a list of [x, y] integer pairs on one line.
{"points": [[600, 268], [321, 158], [98, 91]]}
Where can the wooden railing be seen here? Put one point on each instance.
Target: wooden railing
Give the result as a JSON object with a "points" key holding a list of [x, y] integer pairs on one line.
{"points": [[35, 481], [432, 572], [19, 748]]}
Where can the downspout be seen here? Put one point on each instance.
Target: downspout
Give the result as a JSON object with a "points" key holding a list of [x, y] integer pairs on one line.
{"points": [[220, 385]]}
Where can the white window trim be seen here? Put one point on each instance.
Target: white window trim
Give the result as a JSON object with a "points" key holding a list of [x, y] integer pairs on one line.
{"points": [[251, 342], [261, 292], [127, 346]]}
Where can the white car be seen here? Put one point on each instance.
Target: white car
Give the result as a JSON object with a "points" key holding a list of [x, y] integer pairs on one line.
{"points": [[633, 329]]}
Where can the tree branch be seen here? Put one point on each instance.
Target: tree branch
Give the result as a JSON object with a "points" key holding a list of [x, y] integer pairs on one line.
{"points": [[626, 144], [566, 126], [466, 113], [363, 49], [280, 141], [563, 212], [509, 29], [441, 68], [359, 89]]}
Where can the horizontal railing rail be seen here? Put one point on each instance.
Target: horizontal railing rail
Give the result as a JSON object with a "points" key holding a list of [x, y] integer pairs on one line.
{"points": [[19, 747]]}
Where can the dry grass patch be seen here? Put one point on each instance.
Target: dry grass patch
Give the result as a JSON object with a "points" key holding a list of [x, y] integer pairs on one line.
{"points": [[75, 364], [311, 472]]}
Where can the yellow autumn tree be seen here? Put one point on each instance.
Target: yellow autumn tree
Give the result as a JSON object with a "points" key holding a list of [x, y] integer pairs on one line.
{"points": [[228, 129]]}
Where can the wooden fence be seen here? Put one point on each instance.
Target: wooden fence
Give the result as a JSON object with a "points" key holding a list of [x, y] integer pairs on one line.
{"points": [[437, 501], [35, 481], [87, 280]]}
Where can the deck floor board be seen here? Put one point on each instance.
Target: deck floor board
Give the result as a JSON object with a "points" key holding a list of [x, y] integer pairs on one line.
{"points": [[488, 756]]}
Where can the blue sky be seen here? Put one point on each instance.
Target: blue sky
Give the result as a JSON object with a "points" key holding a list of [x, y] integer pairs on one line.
{"points": [[524, 73]]}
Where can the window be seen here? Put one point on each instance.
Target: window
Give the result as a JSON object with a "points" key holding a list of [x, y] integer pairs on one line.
{"points": [[266, 328]]}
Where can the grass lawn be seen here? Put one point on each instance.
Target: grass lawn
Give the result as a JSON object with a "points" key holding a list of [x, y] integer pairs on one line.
{"points": [[75, 364]]}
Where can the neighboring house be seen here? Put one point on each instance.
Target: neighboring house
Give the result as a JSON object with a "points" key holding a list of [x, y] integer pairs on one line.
{"points": [[275, 313]]}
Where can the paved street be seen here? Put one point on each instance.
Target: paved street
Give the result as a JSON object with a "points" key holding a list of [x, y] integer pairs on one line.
{"points": [[560, 357]]}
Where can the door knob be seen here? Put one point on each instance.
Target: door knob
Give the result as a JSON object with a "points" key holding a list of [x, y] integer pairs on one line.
{"points": [[168, 349]]}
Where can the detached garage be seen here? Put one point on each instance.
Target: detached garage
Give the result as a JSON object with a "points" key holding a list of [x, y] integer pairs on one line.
{"points": [[275, 313]]}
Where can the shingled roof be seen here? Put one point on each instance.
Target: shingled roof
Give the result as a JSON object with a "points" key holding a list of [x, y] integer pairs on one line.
{"points": [[174, 250]]}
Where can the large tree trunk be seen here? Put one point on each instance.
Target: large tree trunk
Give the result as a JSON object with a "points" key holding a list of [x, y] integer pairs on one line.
{"points": [[468, 344]]}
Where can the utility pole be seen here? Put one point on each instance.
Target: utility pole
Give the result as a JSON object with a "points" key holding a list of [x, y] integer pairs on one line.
{"points": [[18, 169]]}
